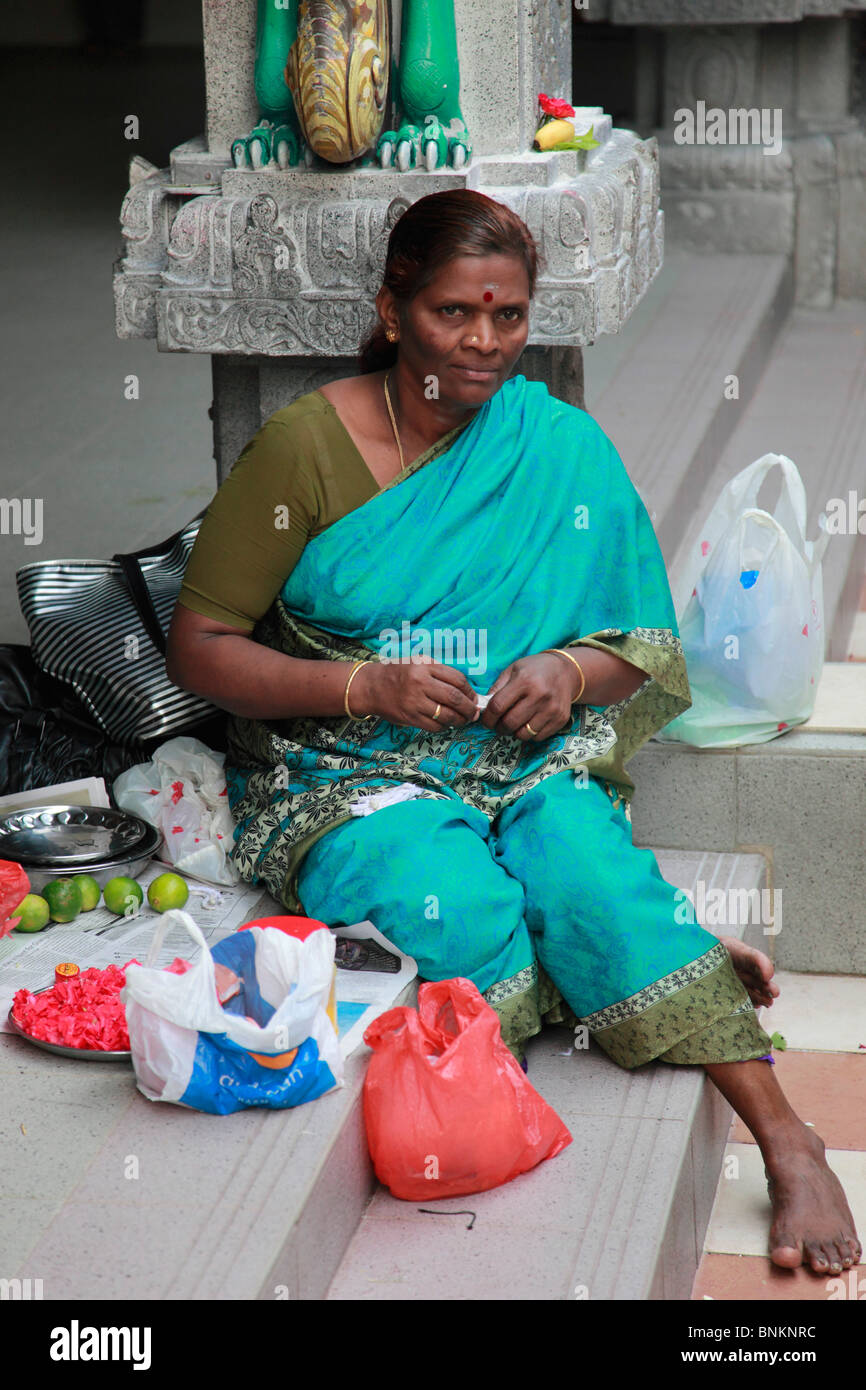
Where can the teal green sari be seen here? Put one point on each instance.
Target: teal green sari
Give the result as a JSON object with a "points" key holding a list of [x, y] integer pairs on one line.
{"points": [[521, 531]]}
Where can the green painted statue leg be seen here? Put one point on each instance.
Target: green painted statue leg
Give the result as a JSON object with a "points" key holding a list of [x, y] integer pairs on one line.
{"points": [[277, 135], [276, 31], [432, 129]]}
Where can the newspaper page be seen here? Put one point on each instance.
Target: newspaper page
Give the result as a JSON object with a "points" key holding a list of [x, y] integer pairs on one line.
{"points": [[372, 976], [84, 791]]}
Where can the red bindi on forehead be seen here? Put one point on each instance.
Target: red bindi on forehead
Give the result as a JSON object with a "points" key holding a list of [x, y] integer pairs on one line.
{"points": [[487, 296]]}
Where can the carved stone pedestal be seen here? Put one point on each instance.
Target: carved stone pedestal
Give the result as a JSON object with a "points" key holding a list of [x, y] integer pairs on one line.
{"points": [[274, 271]]}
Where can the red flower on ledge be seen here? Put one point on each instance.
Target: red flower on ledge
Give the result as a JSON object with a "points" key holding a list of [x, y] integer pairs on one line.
{"points": [[554, 106]]}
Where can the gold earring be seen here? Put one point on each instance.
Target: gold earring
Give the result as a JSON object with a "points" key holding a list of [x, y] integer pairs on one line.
{"points": [[391, 335]]}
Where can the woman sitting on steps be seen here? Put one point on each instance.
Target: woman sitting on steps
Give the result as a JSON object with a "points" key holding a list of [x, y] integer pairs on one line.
{"points": [[436, 502]]}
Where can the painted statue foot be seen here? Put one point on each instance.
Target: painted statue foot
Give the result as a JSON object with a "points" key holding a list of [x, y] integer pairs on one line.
{"points": [[268, 144], [754, 969], [433, 147], [812, 1223]]}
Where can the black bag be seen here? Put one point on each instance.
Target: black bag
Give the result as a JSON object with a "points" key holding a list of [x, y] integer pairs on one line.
{"points": [[100, 626], [46, 736]]}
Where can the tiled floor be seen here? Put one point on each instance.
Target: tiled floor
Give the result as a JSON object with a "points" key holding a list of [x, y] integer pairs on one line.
{"points": [[823, 1074]]}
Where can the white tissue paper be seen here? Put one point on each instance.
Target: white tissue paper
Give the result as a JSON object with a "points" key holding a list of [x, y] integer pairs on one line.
{"points": [[390, 796]]}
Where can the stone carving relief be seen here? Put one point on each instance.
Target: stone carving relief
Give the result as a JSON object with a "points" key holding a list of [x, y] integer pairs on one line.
{"points": [[264, 256], [732, 167], [144, 224], [716, 66], [296, 327], [561, 313], [396, 208], [293, 273], [345, 244], [135, 305]]}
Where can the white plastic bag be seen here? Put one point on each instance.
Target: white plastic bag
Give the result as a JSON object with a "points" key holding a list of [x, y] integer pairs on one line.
{"points": [[187, 1048], [750, 610], [183, 793]]}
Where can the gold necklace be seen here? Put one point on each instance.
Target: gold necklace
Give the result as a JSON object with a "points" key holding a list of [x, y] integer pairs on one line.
{"points": [[394, 424]]}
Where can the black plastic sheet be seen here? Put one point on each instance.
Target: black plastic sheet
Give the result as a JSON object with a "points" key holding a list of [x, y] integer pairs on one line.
{"points": [[47, 737]]}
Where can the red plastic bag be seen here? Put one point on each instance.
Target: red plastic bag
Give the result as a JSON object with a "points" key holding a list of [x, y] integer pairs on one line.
{"points": [[448, 1110], [14, 887]]}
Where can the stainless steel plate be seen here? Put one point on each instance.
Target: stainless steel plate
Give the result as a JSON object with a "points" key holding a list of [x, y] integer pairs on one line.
{"points": [[82, 1054], [130, 865], [64, 836]]}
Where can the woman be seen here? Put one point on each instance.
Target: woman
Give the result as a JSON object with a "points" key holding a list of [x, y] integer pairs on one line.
{"points": [[434, 605]]}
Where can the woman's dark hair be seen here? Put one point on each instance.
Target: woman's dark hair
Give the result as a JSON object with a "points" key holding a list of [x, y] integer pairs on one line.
{"points": [[458, 222]]}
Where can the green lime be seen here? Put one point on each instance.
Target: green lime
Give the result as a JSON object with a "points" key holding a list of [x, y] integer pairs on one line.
{"points": [[34, 913], [167, 891], [90, 892], [122, 896], [63, 897]]}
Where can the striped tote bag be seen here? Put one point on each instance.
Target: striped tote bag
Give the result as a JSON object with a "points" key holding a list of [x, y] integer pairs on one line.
{"points": [[100, 625]]}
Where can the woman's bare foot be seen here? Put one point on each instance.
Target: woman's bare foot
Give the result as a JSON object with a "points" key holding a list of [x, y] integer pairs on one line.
{"points": [[754, 969], [812, 1223]]}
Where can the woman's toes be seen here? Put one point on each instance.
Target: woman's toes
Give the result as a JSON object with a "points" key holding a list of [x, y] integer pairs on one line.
{"points": [[816, 1256], [785, 1252], [850, 1251], [833, 1257]]}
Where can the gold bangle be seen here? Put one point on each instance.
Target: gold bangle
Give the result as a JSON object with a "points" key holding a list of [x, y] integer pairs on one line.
{"points": [[356, 668], [559, 652]]}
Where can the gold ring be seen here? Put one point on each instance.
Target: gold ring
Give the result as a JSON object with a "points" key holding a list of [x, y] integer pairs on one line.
{"points": [[531, 730], [436, 715]]}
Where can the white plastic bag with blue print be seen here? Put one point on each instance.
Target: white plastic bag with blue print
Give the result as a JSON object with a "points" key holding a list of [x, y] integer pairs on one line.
{"points": [[750, 609], [272, 1044]]}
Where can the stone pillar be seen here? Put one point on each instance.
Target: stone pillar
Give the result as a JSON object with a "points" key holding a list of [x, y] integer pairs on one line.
{"points": [[851, 256], [793, 56], [510, 50], [229, 59]]}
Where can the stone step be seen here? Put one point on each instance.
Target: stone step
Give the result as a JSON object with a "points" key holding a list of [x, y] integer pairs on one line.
{"points": [[620, 1214], [658, 388], [264, 1204], [257, 1205], [798, 799]]}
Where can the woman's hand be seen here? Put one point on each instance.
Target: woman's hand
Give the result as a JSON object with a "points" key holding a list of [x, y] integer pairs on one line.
{"points": [[537, 690], [408, 693]]}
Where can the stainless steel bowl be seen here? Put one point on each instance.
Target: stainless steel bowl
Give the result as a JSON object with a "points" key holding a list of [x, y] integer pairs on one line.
{"points": [[59, 834], [129, 865]]}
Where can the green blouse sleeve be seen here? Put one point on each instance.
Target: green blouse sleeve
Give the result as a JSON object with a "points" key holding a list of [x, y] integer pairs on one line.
{"points": [[297, 475]]}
